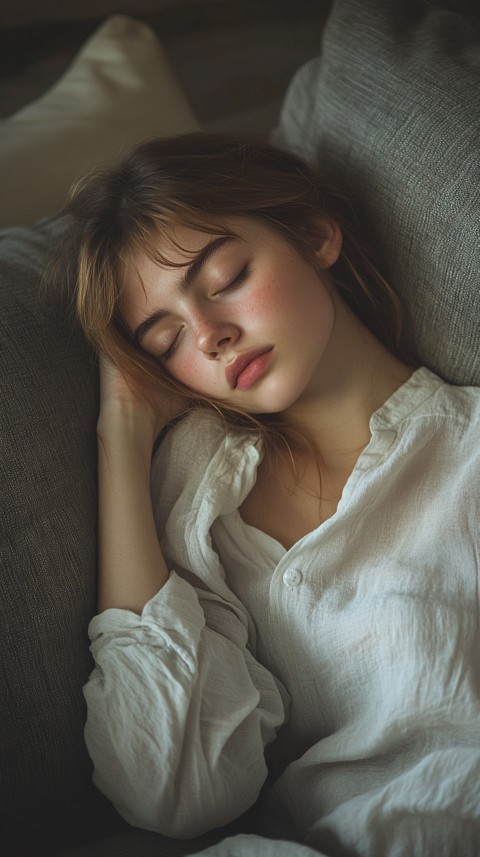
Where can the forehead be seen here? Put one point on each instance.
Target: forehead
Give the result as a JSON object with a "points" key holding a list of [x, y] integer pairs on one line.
{"points": [[163, 257], [167, 253], [180, 244], [161, 264]]}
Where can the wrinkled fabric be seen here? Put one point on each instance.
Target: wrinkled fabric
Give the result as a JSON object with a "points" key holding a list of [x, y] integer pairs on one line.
{"points": [[360, 642]]}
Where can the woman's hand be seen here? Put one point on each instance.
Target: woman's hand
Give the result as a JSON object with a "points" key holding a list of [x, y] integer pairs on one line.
{"points": [[122, 400]]}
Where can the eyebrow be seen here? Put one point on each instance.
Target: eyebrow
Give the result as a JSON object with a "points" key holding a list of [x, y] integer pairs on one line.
{"points": [[185, 283]]}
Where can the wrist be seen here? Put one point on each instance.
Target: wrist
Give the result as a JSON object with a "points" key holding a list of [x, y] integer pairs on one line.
{"points": [[118, 419]]}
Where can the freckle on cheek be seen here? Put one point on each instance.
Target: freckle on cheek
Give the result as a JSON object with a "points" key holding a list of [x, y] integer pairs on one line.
{"points": [[259, 305]]}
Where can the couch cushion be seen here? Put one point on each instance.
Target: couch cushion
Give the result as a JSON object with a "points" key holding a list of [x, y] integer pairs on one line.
{"points": [[119, 90], [390, 111], [48, 541]]}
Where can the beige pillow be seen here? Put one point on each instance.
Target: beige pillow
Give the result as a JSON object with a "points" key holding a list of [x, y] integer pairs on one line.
{"points": [[119, 90]]}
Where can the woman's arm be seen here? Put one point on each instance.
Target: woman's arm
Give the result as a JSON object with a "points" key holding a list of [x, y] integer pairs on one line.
{"points": [[179, 711], [131, 565]]}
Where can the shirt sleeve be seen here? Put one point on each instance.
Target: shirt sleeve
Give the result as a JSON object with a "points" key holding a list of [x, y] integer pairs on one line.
{"points": [[179, 712]]}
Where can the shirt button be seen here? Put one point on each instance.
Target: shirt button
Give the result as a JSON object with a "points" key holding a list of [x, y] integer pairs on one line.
{"points": [[292, 577]]}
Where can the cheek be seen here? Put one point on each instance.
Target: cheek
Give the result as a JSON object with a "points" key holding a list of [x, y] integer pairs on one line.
{"points": [[288, 301], [263, 304], [187, 369], [195, 372]]}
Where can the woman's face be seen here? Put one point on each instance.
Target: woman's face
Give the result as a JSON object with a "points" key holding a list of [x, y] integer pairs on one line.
{"points": [[247, 321]]}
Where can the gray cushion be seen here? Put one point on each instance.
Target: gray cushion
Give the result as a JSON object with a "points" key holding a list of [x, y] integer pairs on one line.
{"points": [[47, 583], [390, 111]]}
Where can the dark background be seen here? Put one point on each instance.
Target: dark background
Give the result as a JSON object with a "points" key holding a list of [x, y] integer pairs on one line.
{"points": [[233, 58]]}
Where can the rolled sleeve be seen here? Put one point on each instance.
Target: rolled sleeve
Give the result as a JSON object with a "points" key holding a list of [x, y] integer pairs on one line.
{"points": [[179, 712]]}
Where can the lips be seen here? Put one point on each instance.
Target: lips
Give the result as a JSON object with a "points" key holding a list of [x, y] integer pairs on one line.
{"points": [[237, 366]]}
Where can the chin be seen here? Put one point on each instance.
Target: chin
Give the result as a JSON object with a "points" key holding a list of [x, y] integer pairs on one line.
{"points": [[281, 396], [274, 396], [272, 404]]}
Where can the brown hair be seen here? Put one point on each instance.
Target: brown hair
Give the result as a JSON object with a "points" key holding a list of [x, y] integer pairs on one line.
{"points": [[199, 180]]}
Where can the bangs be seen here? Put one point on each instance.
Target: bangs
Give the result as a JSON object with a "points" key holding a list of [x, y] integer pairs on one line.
{"points": [[154, 234], [151, 238]]}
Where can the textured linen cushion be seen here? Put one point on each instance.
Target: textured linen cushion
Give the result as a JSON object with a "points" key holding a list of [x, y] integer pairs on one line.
{"points": [[48, 544], [390, 111], [119, 90]]}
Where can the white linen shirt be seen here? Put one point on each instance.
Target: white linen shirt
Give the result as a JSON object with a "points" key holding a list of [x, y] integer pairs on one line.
{"points": [[361, 642]]}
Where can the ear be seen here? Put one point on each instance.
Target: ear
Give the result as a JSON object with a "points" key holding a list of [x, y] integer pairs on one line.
{"points": [[327, 240]]}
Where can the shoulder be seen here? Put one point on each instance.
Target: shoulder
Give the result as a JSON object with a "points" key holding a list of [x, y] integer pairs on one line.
{"points": [[435, 423], [202, 470], [198, 429], [446, 425], [201, 452], [190, 444], [427, 398], [457, 407]]}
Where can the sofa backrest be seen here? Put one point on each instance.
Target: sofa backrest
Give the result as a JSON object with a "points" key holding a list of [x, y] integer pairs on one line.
{"points": [[390, 112]]}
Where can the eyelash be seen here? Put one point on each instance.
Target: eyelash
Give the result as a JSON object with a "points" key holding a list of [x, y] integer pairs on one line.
{"points": [[171, 351], [239, 279]]}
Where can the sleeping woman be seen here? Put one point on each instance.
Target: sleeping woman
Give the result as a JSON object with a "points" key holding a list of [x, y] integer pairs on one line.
{"points": [[288, 518]]}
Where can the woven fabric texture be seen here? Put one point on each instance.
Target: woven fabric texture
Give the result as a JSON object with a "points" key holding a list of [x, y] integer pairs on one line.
{"points": [[48, 466], [390, 112]]}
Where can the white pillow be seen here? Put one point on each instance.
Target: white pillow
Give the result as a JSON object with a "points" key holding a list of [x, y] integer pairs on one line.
{"points": [[119, 90]]}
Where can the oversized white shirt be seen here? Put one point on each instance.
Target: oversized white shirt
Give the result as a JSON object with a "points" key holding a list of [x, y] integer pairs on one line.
{"points": [[359, 647]]}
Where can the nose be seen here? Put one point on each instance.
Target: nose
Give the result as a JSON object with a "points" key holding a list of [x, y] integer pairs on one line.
{"points": [[214, 338]]}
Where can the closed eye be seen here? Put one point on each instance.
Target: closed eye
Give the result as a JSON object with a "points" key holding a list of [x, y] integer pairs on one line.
{"points": [[173, 347], [239, 279]]}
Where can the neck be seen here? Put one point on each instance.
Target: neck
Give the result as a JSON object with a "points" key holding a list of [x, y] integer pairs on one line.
{"points": [[357, 375]]}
